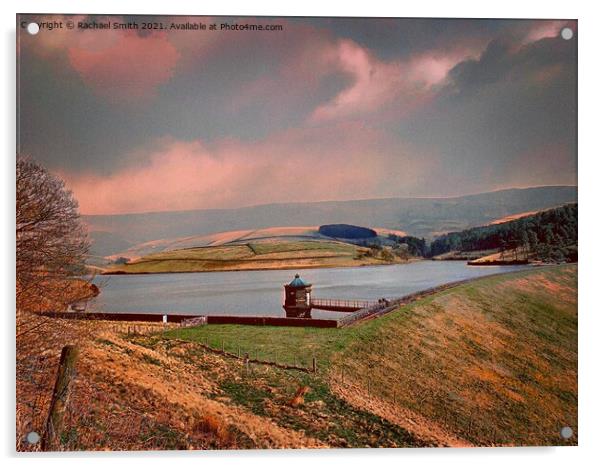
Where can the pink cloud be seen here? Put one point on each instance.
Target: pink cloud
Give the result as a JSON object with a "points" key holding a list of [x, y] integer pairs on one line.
{"points": [[344, 161], [373, 82], [544, 30], [130, 67], [308, 56], [377, 84], [119, 64], [122, 65]]}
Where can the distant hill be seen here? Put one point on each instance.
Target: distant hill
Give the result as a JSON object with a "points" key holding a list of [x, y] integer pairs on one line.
{"points": [[421, 217], [244, 237]]}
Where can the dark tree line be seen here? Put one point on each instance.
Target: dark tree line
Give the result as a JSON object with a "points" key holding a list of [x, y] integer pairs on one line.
{"points": [[415, 246], [550, 236], [342, 230]]}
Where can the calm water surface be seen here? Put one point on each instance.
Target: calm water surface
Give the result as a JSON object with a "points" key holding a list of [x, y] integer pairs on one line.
{"points": [[261, 292]]}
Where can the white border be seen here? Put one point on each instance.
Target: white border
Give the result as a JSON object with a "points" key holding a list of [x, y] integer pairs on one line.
{"points": [[590, 198]]}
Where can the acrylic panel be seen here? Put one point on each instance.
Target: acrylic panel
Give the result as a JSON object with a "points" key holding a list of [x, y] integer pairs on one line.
{"points": [[295, 232]]}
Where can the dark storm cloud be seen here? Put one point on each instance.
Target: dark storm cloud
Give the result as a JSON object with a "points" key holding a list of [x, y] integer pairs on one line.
{"points": [[393, 37], [508, 118], [501, 60], [63, 124]]}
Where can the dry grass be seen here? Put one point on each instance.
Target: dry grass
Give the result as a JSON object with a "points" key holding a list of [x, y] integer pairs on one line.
{"points": [[299, 397], [39, 341], [492, 362], [509, 218], [213, 426], [131, 397], [144, 393]]}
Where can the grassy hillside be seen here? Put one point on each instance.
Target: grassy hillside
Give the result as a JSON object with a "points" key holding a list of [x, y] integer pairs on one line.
{"points": [[238, 237], [258, 255], [490, 362], [421, 217], [140, 393]]}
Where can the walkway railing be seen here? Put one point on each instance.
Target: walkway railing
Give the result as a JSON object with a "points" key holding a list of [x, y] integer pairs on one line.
{"points": [[341, 303]]}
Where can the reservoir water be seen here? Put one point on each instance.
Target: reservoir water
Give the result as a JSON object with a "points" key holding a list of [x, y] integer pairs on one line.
{"points": [[261, 292]]}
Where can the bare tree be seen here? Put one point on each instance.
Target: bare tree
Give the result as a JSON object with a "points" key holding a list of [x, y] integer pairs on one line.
{"points": [[52, 243]]}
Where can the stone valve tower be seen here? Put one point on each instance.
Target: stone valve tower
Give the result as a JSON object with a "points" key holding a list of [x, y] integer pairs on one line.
{"points": [[297, 298]]}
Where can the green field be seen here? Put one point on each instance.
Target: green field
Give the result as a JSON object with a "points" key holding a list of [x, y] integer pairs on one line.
{"points": [[252, 256], [490, 362]]}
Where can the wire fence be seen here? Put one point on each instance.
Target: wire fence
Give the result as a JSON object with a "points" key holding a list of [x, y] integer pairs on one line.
{"points": [[257, 355]]}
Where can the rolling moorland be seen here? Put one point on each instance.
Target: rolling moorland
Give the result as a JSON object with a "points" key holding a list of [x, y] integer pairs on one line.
{"points": [[490, 362], [270, 248], [255, 256], [546, 236], [420, 217]]}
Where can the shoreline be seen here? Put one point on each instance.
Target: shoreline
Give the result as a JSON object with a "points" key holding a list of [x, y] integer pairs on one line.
{"points": [[259, 269], [307, 267], [497, 262]]}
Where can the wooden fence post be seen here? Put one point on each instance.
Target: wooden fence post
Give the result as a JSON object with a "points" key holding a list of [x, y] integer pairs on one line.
{"points": [[314, 366], [60, 396]]}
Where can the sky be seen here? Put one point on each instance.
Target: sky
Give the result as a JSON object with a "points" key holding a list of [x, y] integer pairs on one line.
{"points": [[324, 109]]}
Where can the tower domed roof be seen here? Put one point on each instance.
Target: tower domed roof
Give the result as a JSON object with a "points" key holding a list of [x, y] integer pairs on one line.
{"points": [[297, 282]]}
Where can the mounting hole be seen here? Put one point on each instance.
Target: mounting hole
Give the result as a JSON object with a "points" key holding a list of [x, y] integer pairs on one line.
{"points": [[33, 28], [566, 432], [32, 438], [566, 33]]}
